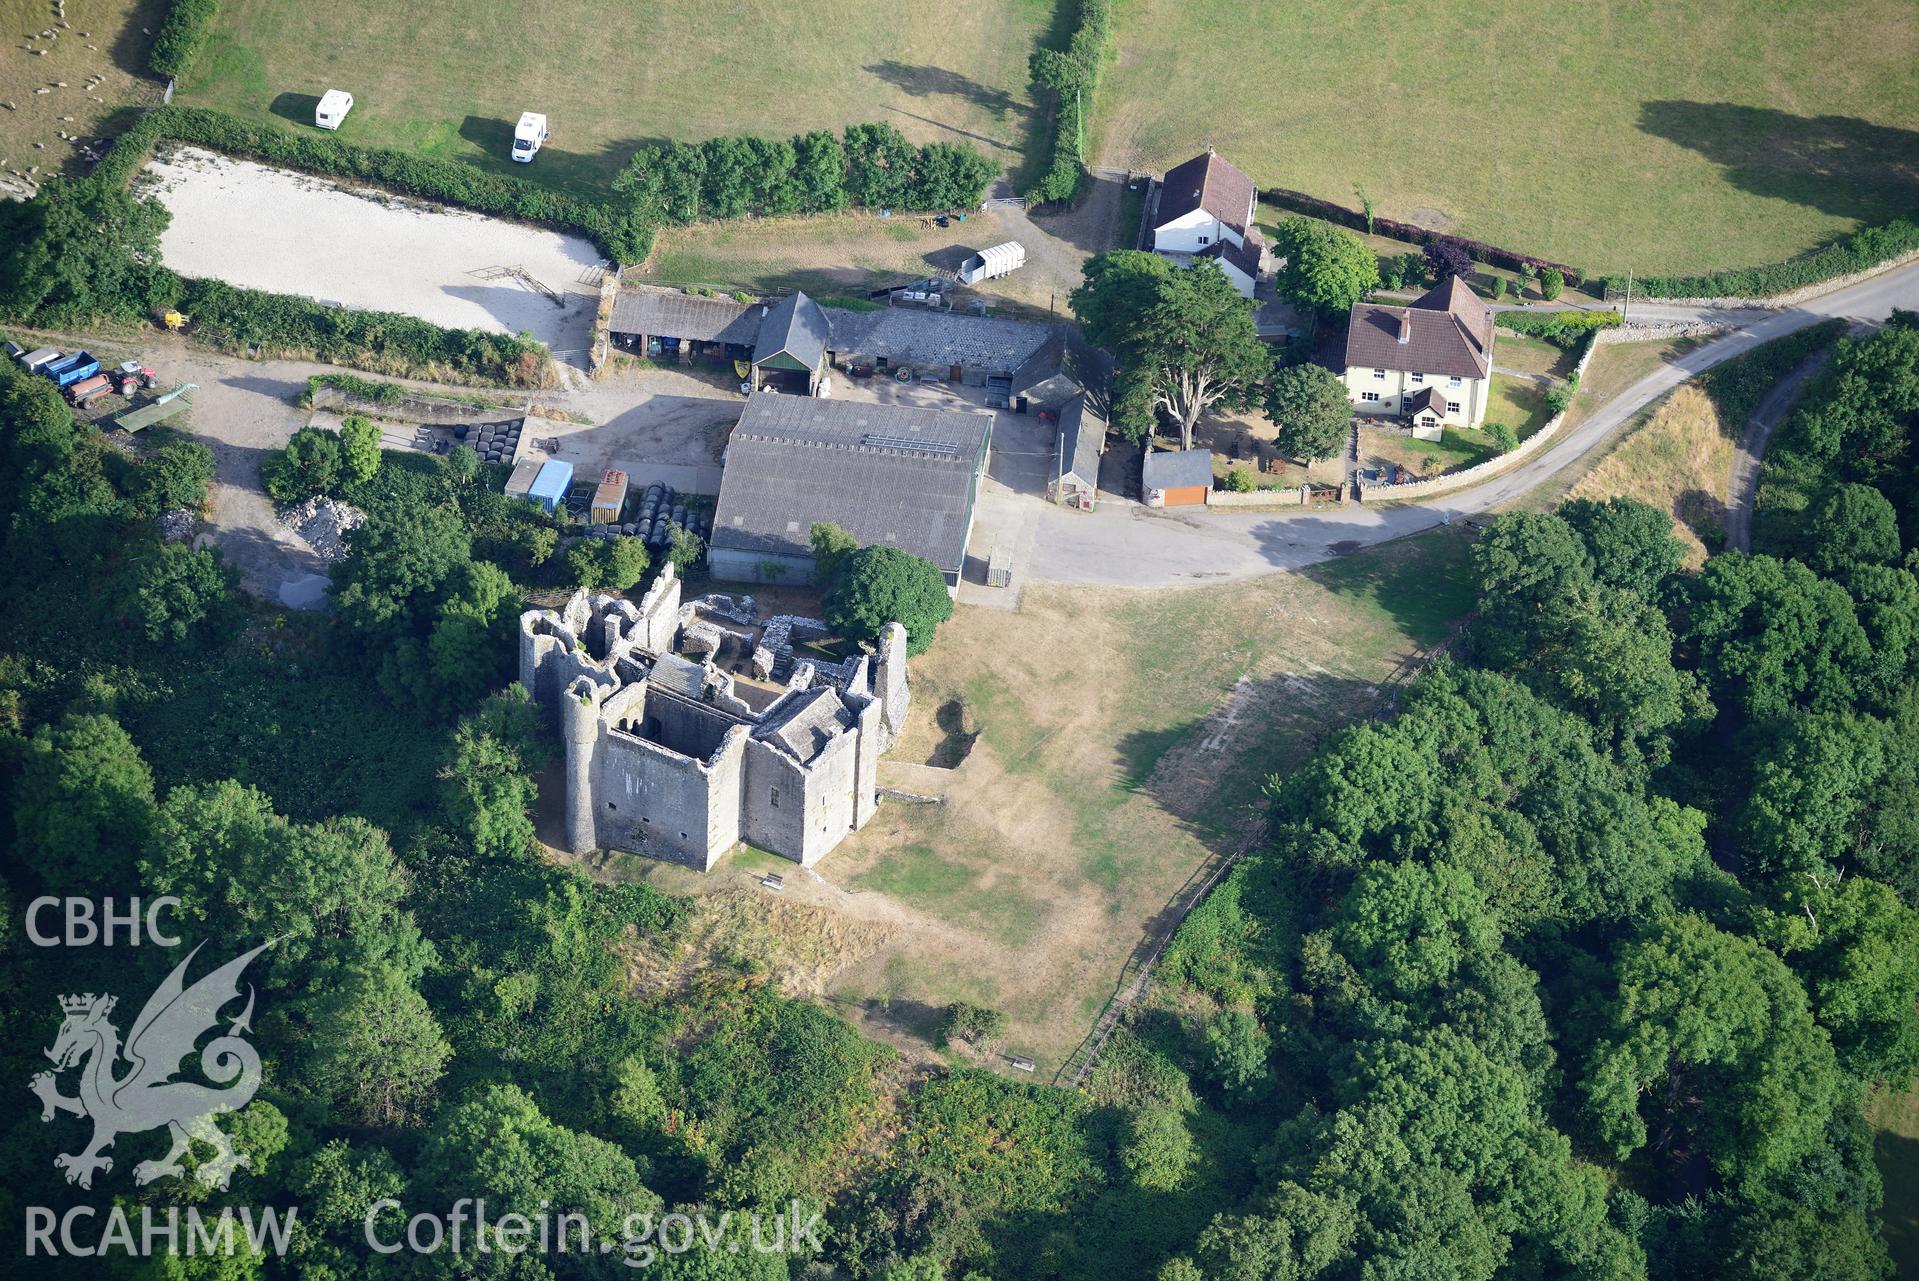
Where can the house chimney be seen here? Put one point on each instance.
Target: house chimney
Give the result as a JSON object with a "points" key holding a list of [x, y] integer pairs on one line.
{"points": [[1405, 326]]}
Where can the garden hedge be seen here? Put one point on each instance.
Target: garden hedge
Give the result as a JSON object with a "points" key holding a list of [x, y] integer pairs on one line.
{"points": [[1861, 251], [1561, 328], [183, 34], [1479, 250]]}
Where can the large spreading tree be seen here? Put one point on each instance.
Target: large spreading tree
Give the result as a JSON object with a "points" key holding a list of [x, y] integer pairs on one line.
{"points": [[1184, 338], [875, 586]]}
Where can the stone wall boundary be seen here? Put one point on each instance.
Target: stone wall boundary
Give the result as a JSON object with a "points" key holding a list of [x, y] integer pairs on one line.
{"points": [[1470, 476]]}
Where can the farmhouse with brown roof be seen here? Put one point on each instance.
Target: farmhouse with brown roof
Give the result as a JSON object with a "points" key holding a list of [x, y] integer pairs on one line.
{"points": [[1206, 211], [1431, 362]]}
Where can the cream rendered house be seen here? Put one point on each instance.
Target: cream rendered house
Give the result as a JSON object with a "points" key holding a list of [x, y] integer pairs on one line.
{"points": [[1206, 211], [1431, 362]]}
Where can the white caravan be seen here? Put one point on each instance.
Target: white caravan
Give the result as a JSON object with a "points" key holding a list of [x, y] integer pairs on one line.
{"points": [[334, 104], [529, 136]]}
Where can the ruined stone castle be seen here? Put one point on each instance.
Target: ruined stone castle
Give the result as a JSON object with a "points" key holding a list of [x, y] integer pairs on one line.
{"points": [[666, 756]]}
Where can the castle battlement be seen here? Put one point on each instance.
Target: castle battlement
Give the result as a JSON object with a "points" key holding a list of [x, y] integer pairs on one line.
{"points": [[665, 758]]}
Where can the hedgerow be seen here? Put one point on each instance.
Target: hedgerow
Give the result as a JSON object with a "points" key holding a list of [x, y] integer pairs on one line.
{"points": [[1072, 76], [1861, 251], [872, 165], [1565, 329], [183, 34], [1737, 386], [280, 325], [366, 389], [1359, 220]]}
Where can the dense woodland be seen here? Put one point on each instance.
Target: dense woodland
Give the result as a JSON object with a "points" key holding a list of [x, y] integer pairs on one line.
{"points": [[1578, 963]]}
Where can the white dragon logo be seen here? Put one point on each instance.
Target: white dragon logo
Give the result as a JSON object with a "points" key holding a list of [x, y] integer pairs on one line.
{"points": [[145, 1097]]}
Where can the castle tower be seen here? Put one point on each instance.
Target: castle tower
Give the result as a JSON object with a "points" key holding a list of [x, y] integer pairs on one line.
{"points": [[580, 727]]}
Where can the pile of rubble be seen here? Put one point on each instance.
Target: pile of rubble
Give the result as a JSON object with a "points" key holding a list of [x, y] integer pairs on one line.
{"points": [[177, 526], [323, 524]]}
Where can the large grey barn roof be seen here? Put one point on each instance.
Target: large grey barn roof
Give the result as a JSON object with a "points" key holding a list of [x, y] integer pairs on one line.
{"points": [[905, 335], [896, 475], [665, 313]]}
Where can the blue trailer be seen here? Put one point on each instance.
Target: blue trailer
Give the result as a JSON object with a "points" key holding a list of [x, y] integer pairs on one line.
{"points": [[550, 486], [69, 370]]}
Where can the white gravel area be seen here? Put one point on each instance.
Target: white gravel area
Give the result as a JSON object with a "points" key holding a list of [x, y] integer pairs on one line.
{"points": [[290, 233]]}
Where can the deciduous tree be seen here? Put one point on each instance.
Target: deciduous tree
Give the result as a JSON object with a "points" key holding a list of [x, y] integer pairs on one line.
{"points": [[84, 805], [880, 585], [1308, 406], [1327, 268]]}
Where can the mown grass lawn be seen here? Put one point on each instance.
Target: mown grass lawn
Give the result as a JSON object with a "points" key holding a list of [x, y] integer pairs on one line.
{"points": [[1518, 402], [1456, 447], [452, 80], [1610, 135]]}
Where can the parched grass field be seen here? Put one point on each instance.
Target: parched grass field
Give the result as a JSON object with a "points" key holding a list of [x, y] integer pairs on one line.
{"points": [[452, 81], [1676, 457], [1108, 743], [1610, 135], [1123, 737]]}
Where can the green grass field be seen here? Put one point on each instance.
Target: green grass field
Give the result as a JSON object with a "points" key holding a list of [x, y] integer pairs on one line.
{"points": [[1611, 135], [612, 76]]}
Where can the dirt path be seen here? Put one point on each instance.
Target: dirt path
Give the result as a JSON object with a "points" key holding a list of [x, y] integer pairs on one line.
{"points": [[1743, 491]]}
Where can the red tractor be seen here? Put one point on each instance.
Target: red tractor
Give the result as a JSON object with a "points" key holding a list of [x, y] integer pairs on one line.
{"points": [[132, 377]]}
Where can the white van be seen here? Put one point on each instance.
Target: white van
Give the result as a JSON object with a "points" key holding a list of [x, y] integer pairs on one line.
{"points": [[529, 136], [334, 104]]}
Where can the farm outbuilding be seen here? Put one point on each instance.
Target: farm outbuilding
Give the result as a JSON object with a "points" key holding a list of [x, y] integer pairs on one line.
{"points": [[1177, 477], [1079, 441], [790, 353], [893, 475], [962, 349], [667, 324]]}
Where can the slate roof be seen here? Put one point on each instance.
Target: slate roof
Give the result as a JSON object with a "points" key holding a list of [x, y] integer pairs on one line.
{"points": [[910, 336], [809, 723], [796, 326], [1243, 256], [1451, 334], [1210, 183], [1178, 469], [896, 475], [1082, 438], [666, 313], [1427, 398]]}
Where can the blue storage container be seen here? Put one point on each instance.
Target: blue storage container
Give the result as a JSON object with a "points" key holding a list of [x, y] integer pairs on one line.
{"points": [[550, 486]]}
